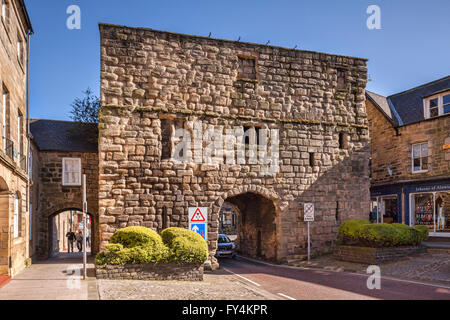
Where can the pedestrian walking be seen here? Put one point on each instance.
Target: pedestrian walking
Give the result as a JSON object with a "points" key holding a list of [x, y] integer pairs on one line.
{"points": [[71, 237], [88, 238], [80, 241]]}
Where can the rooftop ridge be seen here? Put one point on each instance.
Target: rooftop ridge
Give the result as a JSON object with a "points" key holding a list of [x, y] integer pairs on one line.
{"points": [[419, 87]]}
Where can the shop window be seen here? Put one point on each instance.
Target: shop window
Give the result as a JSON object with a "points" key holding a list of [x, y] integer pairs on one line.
{"points": [[247, 68], [71, 172], [420, 157], [443, 212], [423, 210]]}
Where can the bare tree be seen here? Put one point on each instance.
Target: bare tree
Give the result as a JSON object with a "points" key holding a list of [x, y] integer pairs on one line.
{"points": [[85, 110]]}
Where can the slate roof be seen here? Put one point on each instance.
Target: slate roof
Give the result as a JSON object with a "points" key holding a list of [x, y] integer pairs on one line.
{"points": [[407, 107], [55, 135]]}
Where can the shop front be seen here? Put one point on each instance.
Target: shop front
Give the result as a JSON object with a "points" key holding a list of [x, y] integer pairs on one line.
{"points": [[386, 204], [429, 205]]}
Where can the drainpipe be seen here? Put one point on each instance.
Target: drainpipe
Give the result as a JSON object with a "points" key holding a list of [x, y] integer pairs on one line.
{"points": [[29, 33]]}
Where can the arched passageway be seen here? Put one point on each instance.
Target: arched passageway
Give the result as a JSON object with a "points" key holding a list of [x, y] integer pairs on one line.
{"points": [[63, 222], [255, 228]]}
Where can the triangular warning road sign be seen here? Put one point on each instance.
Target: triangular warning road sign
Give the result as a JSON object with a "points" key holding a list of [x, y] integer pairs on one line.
{"points": [[198, 216]]}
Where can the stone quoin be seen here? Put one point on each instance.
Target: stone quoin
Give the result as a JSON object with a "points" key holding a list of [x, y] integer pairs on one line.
{"points": [[154, 83]]}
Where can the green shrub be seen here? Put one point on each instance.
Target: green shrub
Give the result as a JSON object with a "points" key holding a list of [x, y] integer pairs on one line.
{"points": [[131, 237], [424, 232], [186, 251], [136, 245], [362, 232], [185, 246], [348, 230], [114, 247]]}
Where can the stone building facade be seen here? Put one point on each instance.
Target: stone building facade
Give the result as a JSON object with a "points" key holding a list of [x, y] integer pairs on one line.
{"points": [[155, 82], [411, 155], [15, 28], [52, 142]]}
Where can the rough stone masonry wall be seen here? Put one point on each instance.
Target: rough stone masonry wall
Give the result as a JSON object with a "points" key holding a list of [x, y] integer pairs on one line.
{"points": [[150, 75], [166, 271]]}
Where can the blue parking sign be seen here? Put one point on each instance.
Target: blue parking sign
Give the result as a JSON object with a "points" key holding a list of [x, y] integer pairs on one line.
{"points": [[199, 228]]}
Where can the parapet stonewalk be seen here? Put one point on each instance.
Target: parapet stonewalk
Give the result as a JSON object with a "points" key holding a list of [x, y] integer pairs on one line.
{"points": [[154, 82]]}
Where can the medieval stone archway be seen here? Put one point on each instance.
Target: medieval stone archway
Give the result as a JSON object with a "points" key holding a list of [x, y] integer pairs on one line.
{"points": [[258, 221], [46, 227], [54, 231]]}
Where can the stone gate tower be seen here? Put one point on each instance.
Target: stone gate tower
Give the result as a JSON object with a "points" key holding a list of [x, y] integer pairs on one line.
{"points": [[154, 83]]}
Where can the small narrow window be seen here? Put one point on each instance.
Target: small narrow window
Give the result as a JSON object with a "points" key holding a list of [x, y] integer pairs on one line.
{"points": [[164, 218], [71, 172], [337, 211], [311, 160], [343, 140], [166, 137], [341, 79], [247, 68]]}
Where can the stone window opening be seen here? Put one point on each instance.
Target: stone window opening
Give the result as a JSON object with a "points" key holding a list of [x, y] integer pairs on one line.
{"points": [[343, 140], [311, 159], [169, 141], [166, 135], [247, 68], [164, 218], [341, 82], [337, 212]]}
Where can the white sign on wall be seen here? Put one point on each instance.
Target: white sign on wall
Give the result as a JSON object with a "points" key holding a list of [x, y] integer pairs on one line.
{"points": [[308, 209]]}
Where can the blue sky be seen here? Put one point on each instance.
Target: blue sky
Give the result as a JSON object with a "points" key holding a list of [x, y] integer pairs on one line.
{"points": [[412, 48]]}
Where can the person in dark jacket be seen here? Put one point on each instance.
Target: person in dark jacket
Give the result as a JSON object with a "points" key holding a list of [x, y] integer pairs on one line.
{"points": [[71, 237]]}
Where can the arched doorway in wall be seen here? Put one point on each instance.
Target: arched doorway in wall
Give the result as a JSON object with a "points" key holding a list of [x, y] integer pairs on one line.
{"points": [[4, 227], [255, 229], [61, 223]]}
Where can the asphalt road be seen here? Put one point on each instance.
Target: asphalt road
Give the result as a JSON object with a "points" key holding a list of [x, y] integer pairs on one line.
{"points": [[292, 283]]}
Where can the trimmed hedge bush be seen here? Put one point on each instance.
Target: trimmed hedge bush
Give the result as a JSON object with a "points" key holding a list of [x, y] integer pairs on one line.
{"points": [[362, 232], [185, 246], [136, 245], [131, 237]]}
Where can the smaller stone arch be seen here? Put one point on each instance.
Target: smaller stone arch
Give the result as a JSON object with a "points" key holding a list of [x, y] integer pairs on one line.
{"points": [[45, 243]]}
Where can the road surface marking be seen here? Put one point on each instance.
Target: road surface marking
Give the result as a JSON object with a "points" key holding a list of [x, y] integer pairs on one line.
{"points": [[287, 297], [256, 284], [344, 272]]}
